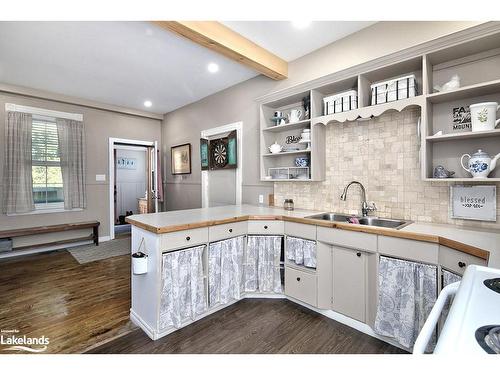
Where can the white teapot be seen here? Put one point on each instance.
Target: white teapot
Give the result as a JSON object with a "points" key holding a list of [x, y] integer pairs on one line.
{"points": [[480, 164], [275, 148]]}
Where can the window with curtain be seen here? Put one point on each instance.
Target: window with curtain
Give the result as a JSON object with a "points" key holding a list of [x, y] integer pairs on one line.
{"points": [[46, 167]]}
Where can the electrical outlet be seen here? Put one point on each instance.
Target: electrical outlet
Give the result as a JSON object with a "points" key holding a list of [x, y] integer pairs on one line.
{"points": [[261, 199]]}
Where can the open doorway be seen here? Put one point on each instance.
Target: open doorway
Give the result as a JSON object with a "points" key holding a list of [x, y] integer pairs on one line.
{"points": [[223, 187], [135, 187]]}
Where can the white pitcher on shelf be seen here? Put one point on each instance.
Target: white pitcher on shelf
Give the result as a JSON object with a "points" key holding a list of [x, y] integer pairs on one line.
{"points": [[484, 116], [295, 115]]}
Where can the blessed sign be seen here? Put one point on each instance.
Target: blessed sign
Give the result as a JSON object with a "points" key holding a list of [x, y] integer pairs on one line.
{"points": [[474, 202]]}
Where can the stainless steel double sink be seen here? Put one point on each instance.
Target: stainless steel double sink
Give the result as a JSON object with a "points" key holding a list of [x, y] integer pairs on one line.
{"points": [[367, 220]]}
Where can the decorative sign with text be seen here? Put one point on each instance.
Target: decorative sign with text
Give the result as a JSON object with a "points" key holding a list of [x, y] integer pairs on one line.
{"points": [[474, 202], [461, 119], [126, 163]]}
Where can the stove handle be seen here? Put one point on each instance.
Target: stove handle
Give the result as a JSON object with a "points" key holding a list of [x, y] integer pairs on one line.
{"points": [[430, 324]]}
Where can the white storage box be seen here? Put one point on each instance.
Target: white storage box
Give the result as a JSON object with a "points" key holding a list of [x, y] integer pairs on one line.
{"points": [[341, 102], [394, 89]]}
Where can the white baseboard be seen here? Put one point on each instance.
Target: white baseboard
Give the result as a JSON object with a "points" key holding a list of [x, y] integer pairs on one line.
{"points": [[136, 319]]}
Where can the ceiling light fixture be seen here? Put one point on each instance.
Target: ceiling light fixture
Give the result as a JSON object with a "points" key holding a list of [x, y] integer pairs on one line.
{"points": [[301, 24], [148, 103], [213, 68]]}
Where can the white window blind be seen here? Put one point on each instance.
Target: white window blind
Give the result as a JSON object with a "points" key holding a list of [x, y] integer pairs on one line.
{"points": [[46, 165]]}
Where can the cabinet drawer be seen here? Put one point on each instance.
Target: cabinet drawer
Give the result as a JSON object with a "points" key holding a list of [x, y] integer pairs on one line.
{"points": [[300, 230], [348, 238], [301, 285], [183, 238], [420, 251], [265, 227], [223, 231], [457, 261]]}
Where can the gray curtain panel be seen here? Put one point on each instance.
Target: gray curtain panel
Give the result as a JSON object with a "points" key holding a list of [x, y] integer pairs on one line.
{"points": [[71, 137], [17, 179], [183, 290], [448, 278], [407, 292], [262, 264], [301, 251], [225, 271]]}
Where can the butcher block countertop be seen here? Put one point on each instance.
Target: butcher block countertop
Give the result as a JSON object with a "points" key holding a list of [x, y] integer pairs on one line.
{"points": [[478, 242]]}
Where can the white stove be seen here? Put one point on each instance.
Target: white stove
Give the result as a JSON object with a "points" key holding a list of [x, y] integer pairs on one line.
{"points": [[473, 323]]}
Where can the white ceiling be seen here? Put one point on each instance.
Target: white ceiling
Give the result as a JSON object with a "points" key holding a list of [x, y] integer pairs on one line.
{"points": [[290, 43], [126, 63]]}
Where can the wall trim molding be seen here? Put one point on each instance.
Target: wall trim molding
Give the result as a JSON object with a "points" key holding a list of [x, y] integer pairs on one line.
{"points": [[50, 96], [450, 40]]}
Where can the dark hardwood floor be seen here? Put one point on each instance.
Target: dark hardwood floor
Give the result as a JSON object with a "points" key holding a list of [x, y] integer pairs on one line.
{"points": [[256, 326], [86, 308], [75, 305]]}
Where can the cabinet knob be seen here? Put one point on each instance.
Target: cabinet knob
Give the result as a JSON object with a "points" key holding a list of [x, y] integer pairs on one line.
{"points": [[188, 238], [461, 264], [265, 226], [230, 231], [298, 278], [358, 254]]}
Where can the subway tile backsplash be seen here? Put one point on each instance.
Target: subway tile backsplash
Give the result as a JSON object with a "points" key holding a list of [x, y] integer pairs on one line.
{"points": [[383, 154]]}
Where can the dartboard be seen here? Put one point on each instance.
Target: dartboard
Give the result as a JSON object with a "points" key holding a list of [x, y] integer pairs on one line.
{"points": [[218, 153]]}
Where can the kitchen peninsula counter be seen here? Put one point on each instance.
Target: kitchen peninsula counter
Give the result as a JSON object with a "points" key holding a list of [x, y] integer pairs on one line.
{"points": [[481, 243]]}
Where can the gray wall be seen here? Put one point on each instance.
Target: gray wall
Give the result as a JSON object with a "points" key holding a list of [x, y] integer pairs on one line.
{"points": [[237, 103], [99, 126]]}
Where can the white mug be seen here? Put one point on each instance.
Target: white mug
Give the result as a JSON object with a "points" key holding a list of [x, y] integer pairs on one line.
{"points": [[295, 115], [484, 116]]}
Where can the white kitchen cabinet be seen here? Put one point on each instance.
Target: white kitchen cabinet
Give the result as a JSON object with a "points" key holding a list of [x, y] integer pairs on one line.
{"points": [[349, 282], [324, 273], [343, 275], [257, 227], [420, 251], [457, 261], [301, 285]]}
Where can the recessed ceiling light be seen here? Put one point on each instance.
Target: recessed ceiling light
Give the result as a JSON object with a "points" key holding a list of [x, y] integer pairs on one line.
{"points": [[301, 24], [213, 68], [148, 103]]}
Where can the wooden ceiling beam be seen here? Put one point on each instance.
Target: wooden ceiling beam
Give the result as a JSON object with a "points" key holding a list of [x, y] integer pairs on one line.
{"points": [[219, 38]]}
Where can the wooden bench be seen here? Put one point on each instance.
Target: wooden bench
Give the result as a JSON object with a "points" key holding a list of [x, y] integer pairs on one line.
{"points": [[52, 229]]}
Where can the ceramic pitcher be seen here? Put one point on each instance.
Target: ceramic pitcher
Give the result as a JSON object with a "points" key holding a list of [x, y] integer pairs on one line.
{"points": [[484, 116], [480, 164]]}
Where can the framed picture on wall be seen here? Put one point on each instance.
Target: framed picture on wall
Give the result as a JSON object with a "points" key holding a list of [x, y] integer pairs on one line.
{"points": [[181, 159]]}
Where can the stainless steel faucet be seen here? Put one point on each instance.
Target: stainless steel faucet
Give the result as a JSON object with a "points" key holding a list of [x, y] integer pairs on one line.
{"points": [[365, 207]]}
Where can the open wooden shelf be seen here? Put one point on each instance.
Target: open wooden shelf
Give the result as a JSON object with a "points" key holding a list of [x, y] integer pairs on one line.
{"points": [[475, 60], [464, 135], [465, 92], [289, 153], [287, 127]]}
